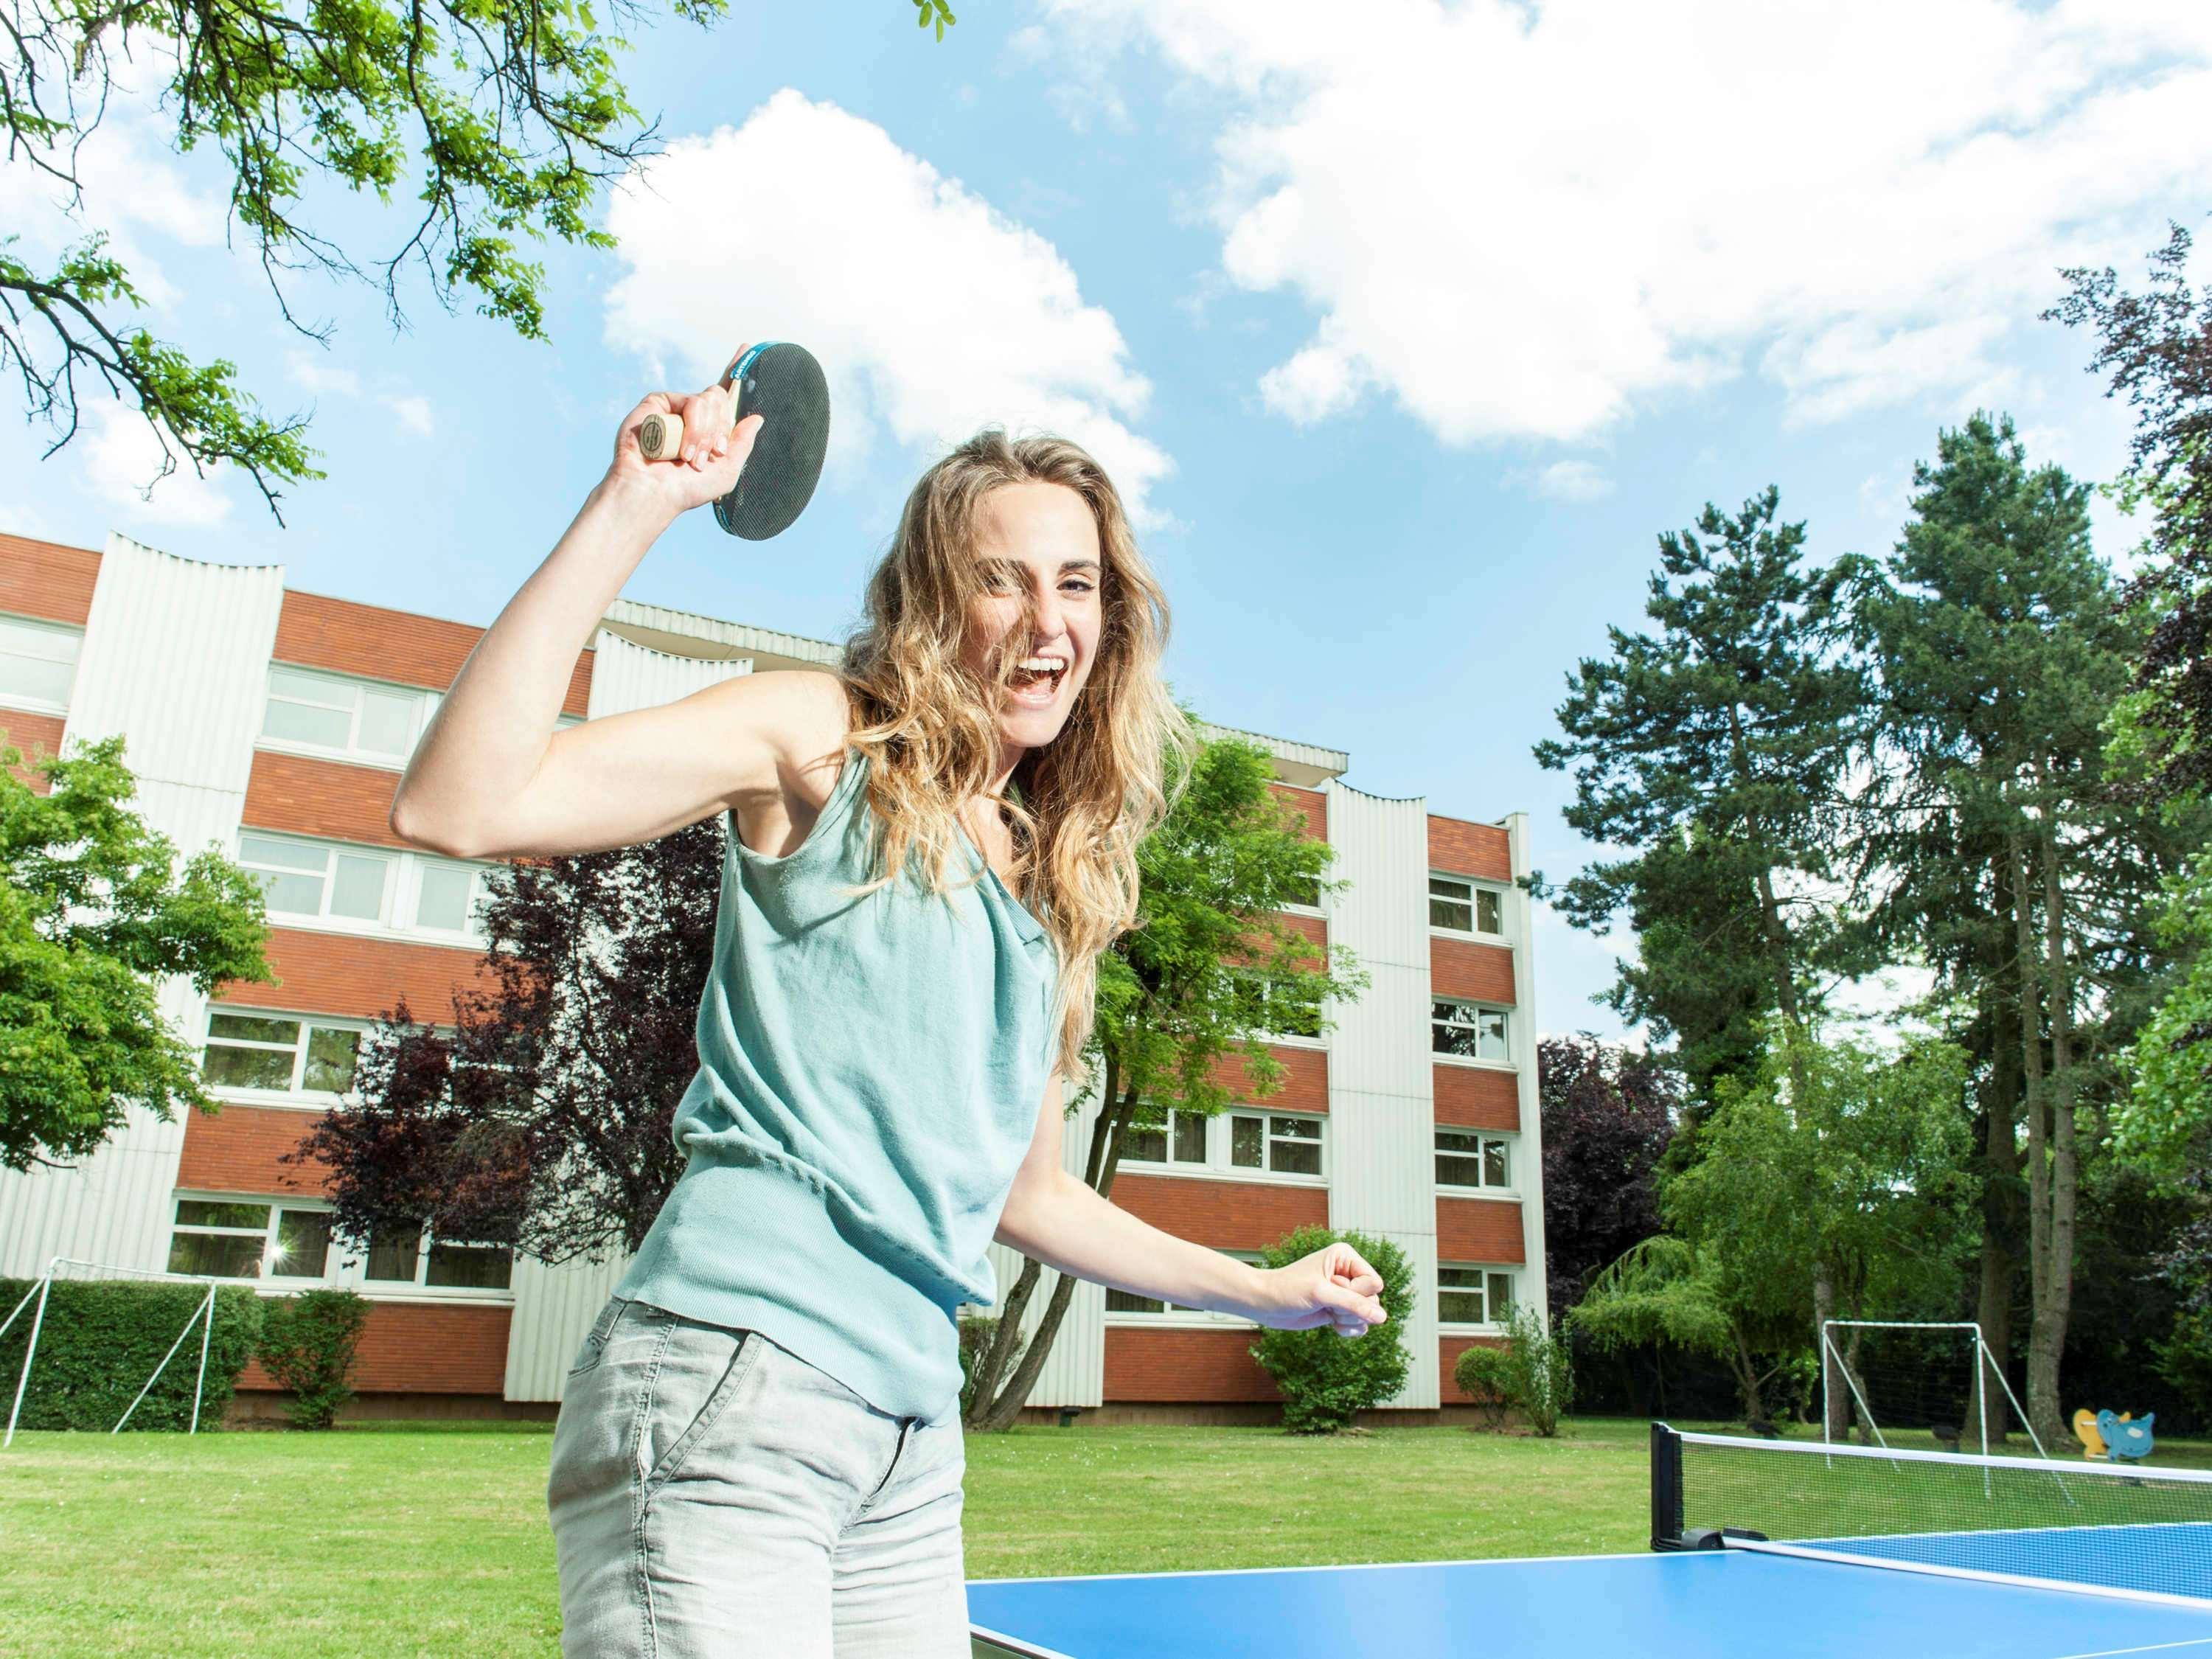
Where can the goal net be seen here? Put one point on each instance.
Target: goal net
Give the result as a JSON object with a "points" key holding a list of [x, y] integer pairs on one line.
{"points": [[31, 1313], [1915, 1385]]}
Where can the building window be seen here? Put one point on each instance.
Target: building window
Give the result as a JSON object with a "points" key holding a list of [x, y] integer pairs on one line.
{"points": [[38, 660], [1473, 1295], [1469, 1029], [230, 1238], [1281, 1007], [326, 881], [279, 1053], [260, 1238], [408, 1255], [1276, 1143], [361, 720], [1180, 1139], [1465, 906], [1465, 1159], [1123, 1302]]}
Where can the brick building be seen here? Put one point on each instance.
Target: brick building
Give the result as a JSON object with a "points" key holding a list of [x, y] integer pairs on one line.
{"points": [[277, 722]]}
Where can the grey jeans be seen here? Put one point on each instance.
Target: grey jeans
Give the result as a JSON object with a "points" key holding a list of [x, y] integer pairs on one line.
{"points": [[713, 1496]]}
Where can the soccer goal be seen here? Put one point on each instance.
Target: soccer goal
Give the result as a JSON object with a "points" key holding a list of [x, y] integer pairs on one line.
{"points": [[1900, 1376], [67, 1268]]}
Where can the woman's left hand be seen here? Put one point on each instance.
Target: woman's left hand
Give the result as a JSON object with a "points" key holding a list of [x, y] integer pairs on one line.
{"points": [[1332, 1287]]}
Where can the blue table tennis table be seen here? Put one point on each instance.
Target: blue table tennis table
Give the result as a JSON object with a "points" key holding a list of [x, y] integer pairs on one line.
{"points": [[2078, 1592]]}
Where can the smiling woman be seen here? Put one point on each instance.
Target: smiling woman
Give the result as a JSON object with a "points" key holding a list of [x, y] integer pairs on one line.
{"points": [[759, 1447]]}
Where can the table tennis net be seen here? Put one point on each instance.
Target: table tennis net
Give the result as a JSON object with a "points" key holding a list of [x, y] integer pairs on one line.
{"points": [[2116, 1529]]}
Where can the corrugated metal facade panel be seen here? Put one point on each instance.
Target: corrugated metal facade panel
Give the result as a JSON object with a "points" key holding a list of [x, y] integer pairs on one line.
{"points": [[1381, 1106], [1533, 1280], [554, 1307], [1074, 1373], [626, 676], [176, 653]]}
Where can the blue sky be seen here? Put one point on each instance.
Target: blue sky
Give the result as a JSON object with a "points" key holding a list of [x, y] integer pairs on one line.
{"points": [[1409, 325]]}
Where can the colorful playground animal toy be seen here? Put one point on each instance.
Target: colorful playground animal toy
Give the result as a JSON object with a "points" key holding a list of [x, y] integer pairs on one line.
{"points": [[2114, 1437]]}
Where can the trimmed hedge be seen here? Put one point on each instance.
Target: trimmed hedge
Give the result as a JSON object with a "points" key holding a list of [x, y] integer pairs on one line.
{"points": [[101, 1341]]}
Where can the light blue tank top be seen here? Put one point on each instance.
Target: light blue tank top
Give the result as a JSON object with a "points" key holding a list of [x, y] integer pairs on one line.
{"points": [[870, 1074]]}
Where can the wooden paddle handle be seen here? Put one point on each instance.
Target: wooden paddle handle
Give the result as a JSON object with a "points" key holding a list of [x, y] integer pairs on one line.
{"points": [[661, 437]]}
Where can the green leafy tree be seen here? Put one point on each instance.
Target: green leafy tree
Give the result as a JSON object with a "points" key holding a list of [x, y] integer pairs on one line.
{"points": [[1831, 1182], [500, 120], [1326, 1379], [1995, 847], [1211, 970], [2166, 1118], [93, 913], [1714, 746], [2155, 346], [1670, 1289]]}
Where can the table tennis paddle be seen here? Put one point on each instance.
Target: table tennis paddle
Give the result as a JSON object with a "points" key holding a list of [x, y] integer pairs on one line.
{"points": [[783, 385]]}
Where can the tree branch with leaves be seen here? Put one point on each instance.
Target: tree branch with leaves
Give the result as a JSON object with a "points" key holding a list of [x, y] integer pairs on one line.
{"points": [[503, 119]]}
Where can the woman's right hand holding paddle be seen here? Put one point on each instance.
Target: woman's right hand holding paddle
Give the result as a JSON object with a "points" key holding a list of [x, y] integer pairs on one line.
{"points": [[706, 466]]}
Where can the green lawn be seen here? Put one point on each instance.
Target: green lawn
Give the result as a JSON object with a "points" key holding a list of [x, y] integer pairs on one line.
{"points": [[421, 1539]]}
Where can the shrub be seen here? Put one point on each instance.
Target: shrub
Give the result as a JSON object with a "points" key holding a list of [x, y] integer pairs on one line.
{"points": [[101, 1338], [1326, 1379], [976, 1332], [1531, 1374], [308, 1344], [1485, 1374]]}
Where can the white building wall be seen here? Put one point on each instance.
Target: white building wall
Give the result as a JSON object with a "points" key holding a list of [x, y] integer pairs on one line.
{"points": [[175, 657], [554, 1306], [1519, 927], [1382, 1103]]}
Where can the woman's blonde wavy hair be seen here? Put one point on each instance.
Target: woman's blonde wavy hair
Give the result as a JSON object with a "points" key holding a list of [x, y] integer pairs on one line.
{"points": [[1079, 806]]}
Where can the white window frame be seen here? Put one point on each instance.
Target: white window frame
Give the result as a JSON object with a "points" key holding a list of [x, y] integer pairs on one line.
{"points": [[349, 692], [1267, 986], [1490, 1324], [41, 640], [1506, 1063], [1217, 1166], [1268, 1136], [1166, 1316], [402, 888], [294, 1094], [344, 1269], [1506, 1138], [268, 1232], [1475, 885], [1166, 1131]]}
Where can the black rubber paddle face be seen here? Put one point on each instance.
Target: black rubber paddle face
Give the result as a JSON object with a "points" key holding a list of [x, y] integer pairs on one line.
{"points": [[783, 385]]}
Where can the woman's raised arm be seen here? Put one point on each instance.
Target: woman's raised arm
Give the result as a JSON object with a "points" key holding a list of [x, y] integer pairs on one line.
{"points": [[491, 777]]}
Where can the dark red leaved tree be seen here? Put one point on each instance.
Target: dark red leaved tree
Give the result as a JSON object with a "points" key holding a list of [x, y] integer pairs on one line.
{"points": [[1608, 1112], [542, 1119]]}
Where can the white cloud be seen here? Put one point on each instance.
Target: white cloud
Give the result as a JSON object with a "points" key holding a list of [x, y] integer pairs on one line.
{"points": [[316, 375], [122, 464], [132, 184], [1573, 481], [931, 313], [414, 414], [1528, 221]]}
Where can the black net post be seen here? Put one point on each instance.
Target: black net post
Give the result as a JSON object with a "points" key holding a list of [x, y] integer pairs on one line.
{"points": [[1666, 1488]]}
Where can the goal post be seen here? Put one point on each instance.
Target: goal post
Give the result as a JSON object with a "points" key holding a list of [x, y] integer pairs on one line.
{"points": [[35, 1300], [1943, 1343]]}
